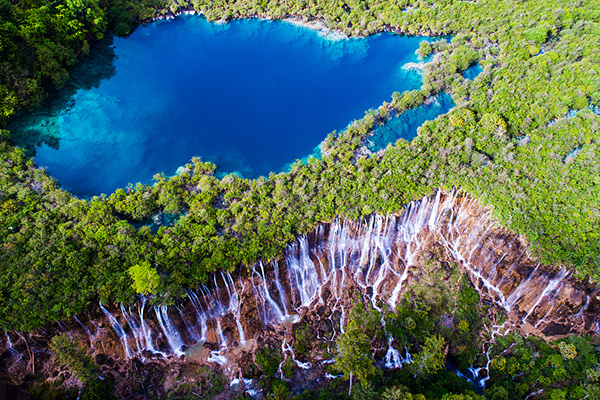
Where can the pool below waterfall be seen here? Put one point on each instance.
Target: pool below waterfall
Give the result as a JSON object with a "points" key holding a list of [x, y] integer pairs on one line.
{"points": [[251, 96]]}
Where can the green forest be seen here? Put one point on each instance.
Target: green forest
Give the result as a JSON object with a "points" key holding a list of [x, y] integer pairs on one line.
{"points": [[523, 139]]}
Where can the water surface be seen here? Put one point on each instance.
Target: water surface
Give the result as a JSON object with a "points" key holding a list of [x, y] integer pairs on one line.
{"points": [[473, 72], [250, 95], [405, 125]]}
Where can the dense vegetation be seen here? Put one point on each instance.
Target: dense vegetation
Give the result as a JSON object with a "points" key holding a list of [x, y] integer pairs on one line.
{"points": [[443, 324], [523, 138]]}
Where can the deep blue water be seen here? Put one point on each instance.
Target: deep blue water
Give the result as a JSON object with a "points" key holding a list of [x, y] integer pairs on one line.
{"points": [[250, 95], [405, 125]]}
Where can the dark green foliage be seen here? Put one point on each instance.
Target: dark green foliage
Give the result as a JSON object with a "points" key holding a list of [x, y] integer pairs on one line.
{"points": [[524, 365], [268, 360], [303, 338], [354, 345], [288, 367], [98, 390], [280, 391], [39, 40], [68, 353], [47, 392], [365, 392], [508, 143]]}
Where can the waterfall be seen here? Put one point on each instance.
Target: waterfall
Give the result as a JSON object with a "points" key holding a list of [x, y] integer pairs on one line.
{"points": [[85, 328], [171, 333], [9, 344], [201, 316], [146, 332], [272, 313], [393, 358], [118, 330], [378, 257], [234, 304]]}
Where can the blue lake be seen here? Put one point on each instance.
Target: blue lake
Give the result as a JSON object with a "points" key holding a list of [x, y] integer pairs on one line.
{"points": [[251, 96]]}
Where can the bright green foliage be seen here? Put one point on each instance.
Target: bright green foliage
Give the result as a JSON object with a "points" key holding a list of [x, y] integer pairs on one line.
{"points": [[510, 143], [462, 57], [541, 365], [431, 357], [462, 117], [498, 363], [145, 278], [493, 124], [425, 49], [508, 148], [567, 350]]}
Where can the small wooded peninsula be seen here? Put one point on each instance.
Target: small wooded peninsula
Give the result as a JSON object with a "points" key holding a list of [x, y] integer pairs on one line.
{"points": [[462, 264]]}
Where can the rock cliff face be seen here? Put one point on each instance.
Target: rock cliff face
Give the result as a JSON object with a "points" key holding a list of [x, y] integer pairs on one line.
{"points": [[223, 323]]}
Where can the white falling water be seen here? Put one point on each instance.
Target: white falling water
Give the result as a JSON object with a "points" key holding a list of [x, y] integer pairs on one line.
{"points": [[171, 333], [393, 358], [146, 332], [87, 331], [378, 256], [234, 304], [9, 344], [118, 330], [552, 284]]}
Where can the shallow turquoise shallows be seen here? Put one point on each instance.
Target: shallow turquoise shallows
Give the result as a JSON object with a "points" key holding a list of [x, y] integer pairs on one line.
{"points": [[405, 125], [473, 72], [250, 95]]}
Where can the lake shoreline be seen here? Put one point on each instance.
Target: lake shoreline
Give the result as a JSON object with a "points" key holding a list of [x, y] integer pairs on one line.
{"points": [[316, 24], [298, 43]]}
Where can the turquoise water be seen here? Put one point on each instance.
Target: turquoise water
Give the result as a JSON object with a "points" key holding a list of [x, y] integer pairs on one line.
{"points": [[250, 95], [405, 125], [472, 72]]}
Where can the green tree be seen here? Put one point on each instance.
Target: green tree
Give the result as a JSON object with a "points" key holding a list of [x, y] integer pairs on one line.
{"points": [[280, 391], [463, 56], [68, 353], [567, 350], [366, 391], [354, 353], [591, 386], [400, 393], [145, 278], [431, 357], [425, 49]]}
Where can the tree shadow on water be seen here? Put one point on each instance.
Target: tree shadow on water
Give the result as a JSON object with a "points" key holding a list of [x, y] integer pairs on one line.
{"points": [[31, 129]]}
